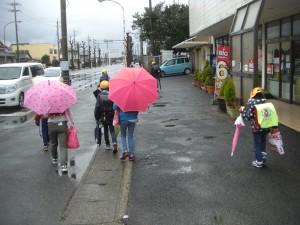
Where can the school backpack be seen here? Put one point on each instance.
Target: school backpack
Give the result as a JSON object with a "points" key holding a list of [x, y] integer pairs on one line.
{"points": [[265, 115], [106, 109]]}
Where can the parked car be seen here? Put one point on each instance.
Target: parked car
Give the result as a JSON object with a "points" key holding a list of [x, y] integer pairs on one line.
{"points": [[54, 73], [15, 79], [179, 65]]}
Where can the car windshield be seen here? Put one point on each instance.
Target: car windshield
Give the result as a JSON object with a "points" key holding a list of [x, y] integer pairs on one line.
{"points": [[9, 73], [52, 73]]}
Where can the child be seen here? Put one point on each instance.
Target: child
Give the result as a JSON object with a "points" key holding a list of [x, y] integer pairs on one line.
{"points": [[259, 134], [42, 122]]}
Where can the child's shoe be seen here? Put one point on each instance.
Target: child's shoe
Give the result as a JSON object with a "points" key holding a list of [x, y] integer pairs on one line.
{"points": [[131, 157], [115, 146], [257, 164], [124, 155]]}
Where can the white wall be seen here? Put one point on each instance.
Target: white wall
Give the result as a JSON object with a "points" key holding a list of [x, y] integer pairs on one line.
{"points": [[205, 13]]}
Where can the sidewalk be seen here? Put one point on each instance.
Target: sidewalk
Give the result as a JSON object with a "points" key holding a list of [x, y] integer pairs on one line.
{"points": [[101, 197], [180, 135]]}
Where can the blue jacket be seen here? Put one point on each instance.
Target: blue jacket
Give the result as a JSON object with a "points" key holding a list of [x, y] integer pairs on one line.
{"points": [[126, 115]]}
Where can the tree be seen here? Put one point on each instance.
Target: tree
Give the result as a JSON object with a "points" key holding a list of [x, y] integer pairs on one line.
{"points": [[55, 62], [46, 60], [163, 26]]}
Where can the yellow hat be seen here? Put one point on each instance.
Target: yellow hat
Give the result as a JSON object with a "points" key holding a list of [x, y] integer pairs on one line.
{"points": [[104, 71], [153, 62], [255, 91], [104, 84]]}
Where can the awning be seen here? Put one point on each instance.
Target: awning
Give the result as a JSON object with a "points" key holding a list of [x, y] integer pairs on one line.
{"points": [[191, 44]]}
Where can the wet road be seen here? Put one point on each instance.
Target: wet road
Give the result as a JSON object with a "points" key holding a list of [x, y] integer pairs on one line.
{"points": [[184, 175]]}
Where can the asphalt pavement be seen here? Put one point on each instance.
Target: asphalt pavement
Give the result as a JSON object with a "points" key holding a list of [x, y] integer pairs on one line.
{"points": [[183, 173]]}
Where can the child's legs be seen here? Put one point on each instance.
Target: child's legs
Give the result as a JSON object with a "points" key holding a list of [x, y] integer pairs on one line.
{"points": [[259, 145], [112, 133], [123, 126], [44, 131], [130, 137]]}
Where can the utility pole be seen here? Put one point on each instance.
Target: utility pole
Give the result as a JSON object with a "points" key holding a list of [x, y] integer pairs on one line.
{"points": [[99, 55], [58, 42], [16, 27], [64, 64]]}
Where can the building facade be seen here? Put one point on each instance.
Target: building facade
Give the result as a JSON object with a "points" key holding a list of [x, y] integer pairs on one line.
{"points": [[264, 41], [38, 50]]}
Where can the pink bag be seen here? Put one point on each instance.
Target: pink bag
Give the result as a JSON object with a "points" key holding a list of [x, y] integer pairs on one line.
{"points": [[72, 140], [116, 120], [72, 135]]}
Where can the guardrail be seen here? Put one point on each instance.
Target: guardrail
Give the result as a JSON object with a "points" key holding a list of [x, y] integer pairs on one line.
{"points": [[84, 80]]}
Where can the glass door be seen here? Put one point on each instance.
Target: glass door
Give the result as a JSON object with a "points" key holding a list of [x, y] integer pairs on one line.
{"points": [[273, 69], [296, 84], [285, 70]]}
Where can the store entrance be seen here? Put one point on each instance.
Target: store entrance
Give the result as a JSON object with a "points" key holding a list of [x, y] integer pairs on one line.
{"points": [[296, 92], [285, 70]]}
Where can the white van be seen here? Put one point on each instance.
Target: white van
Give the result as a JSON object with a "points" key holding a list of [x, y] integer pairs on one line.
{"points": [[15, 79]]}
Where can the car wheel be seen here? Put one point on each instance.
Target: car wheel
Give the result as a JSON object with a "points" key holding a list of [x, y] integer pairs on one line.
{"points": [[162, 74], [21, 100], [187, 71]]}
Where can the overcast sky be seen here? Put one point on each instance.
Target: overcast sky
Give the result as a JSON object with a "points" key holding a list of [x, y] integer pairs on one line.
{"points": [[85, 18]]}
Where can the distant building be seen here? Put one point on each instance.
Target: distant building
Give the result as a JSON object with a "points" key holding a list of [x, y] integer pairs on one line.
{"points": [[36, 51]]}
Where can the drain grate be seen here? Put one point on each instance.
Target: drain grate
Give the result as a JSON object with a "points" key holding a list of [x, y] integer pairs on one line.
{"points": [[209, 137], [170, 125]]}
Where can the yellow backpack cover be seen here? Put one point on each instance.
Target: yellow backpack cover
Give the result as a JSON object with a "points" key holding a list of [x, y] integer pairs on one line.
{"points": [[265, 115]]}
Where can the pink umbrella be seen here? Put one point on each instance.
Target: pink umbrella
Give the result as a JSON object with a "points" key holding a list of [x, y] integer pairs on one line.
{"points": [[238, 124], [133, 89], [50, 97]]}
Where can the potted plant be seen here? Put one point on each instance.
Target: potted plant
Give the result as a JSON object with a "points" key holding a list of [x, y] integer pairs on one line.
{"points": [[232, 107], [220, 98], [207, 71], [195, 80], [209, 85]]}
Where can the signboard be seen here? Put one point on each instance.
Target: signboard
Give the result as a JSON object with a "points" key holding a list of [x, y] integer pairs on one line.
{"points": [[222, 68], [251, 65]]}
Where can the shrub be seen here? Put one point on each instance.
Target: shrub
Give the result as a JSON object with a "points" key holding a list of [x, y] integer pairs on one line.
{"points": [[221, 91], [209, 81], [229, 92]]}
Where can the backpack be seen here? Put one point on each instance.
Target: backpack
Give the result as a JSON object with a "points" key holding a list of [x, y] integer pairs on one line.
{"points": [[106, 109], [265, 115]]}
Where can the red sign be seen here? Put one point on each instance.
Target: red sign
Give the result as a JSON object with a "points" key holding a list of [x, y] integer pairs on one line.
{"points": [[251, 65], [222, 68]]}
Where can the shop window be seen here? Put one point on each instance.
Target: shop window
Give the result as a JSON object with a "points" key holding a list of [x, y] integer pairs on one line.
{"points": [[239, 19], [286, 27], [55, 51], [259, 33], [50, 51], [252, 15], [296, 25], [273, 69], [247, 51], [236, 53], [273, 30]]}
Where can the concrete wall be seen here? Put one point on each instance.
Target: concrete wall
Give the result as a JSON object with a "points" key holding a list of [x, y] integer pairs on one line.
{"points": [[205, 13]]}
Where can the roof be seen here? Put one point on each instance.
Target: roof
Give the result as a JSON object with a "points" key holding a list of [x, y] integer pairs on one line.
{"points": [[189, 43]]}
